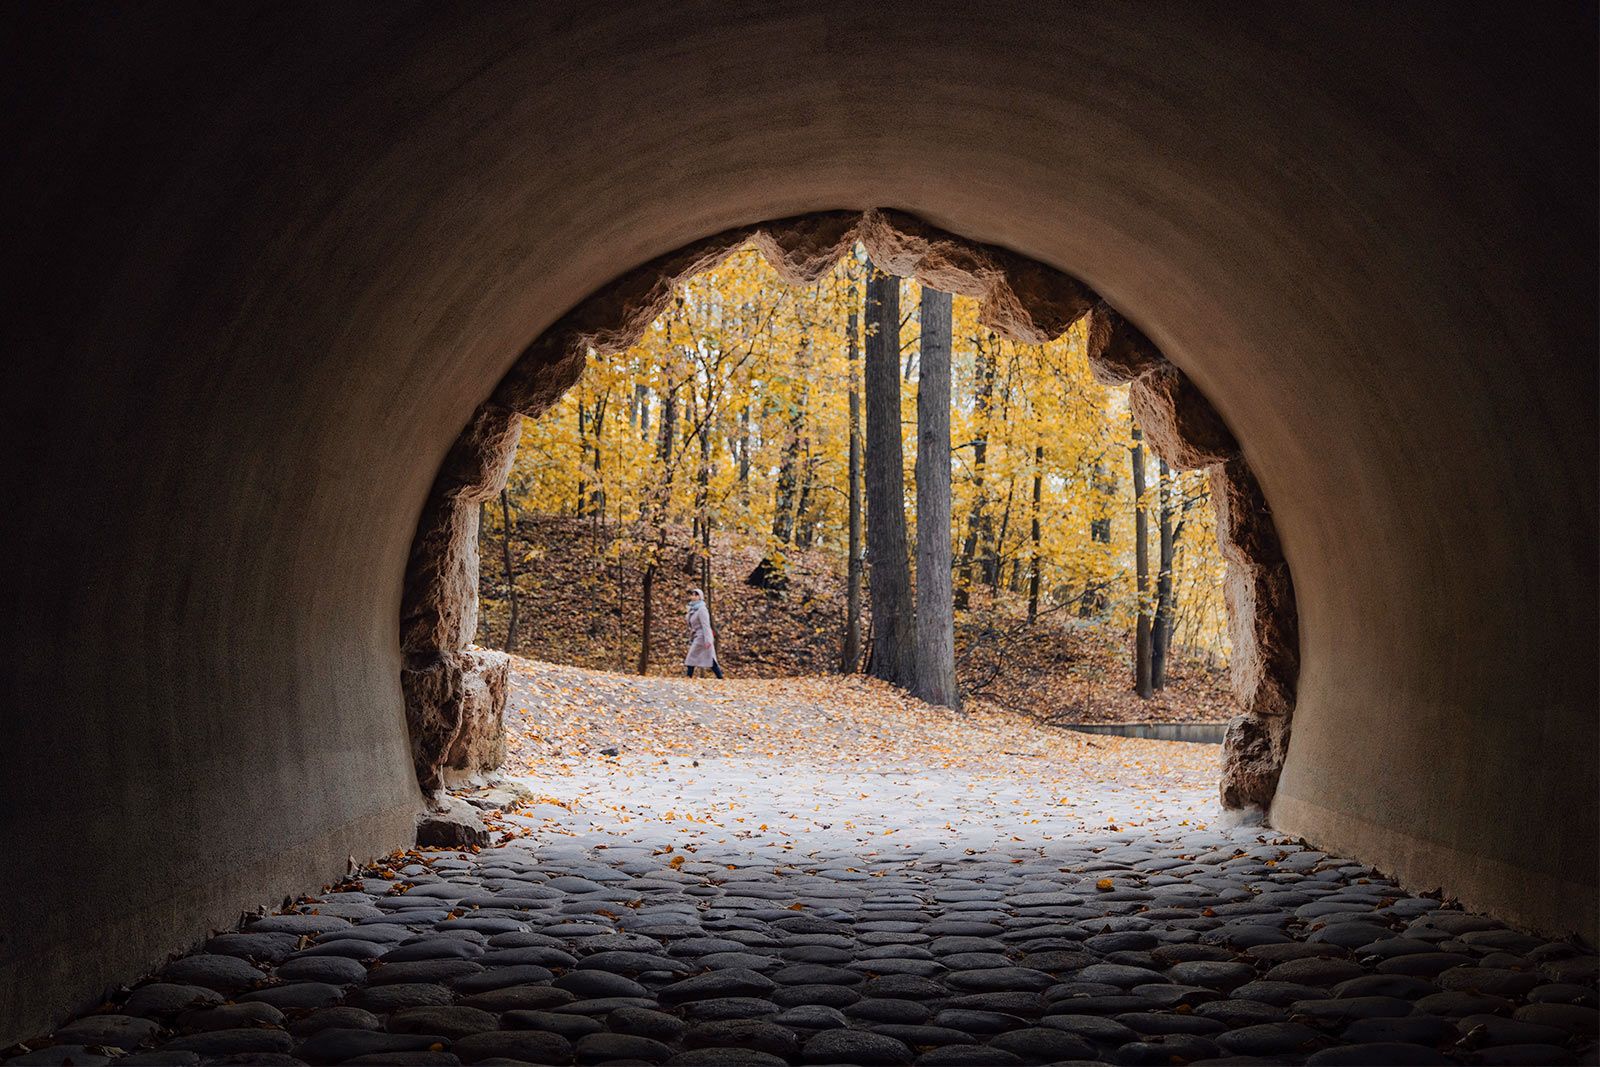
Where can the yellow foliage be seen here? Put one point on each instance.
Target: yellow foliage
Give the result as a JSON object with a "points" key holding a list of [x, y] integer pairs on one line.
{"points": [[748, 370]]}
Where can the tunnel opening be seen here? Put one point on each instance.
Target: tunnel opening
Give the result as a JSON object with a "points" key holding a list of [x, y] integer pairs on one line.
{"points": [[455, 693]]}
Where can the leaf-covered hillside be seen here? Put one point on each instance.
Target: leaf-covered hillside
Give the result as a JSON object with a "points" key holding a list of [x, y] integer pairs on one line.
{"points": [[572, 611]]}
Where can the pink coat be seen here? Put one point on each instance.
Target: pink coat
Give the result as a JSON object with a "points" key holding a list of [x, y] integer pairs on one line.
{"points": [[702, 642]]}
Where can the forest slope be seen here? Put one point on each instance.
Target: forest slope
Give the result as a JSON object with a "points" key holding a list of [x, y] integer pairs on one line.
{"points": [[577, 606]]}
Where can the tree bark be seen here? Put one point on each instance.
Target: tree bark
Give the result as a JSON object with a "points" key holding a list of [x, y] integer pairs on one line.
{"points": [[789, 511], [744, 449], [583, 447], [807, 511], [936, 643], [783, 493], [893, 615], [647, 617], [669, 424], [977, 519], [511, 574], [1161, 633], [995, 560], [597, 496], [1141, 553], [1034, 534], [850, 654]]}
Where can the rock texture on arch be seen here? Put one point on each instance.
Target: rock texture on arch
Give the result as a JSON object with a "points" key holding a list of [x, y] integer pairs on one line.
{"points": [[455, 695]]}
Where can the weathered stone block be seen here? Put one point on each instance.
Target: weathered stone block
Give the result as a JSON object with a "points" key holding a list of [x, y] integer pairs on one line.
{"points": [[455, 706], [1178, 421], [1117, 352], [1022, 298], [1252, 759], [450, 822]]}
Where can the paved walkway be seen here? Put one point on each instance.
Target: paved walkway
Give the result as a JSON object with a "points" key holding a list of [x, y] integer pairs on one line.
{"points": [[848, 877]]}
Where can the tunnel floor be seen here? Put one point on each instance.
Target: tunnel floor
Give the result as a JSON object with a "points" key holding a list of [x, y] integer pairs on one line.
{"points": [[819, 871]]}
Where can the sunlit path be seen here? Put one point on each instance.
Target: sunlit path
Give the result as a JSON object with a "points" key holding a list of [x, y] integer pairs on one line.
{"points": [[799, 765]]}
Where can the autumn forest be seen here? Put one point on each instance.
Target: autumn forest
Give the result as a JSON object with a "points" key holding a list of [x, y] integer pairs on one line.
{"points": [[781, 447]]}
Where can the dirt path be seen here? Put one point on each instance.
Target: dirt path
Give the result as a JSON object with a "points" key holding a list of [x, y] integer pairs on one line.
{"points": [[827, 763]]}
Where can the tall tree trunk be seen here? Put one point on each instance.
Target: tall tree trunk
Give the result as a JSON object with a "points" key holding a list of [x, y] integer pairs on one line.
{"points": [[647, 619], [850, 654], [995, 558], [1092, 601], [1034, 532], [669, 424], [583, 447], [1142, 683], [893, 616], [705, 564], [805, 512], [597, 496], [783, 493], [1161, 634], [936, 641], [701, 557], [744, 449], [787, 508], [691, 417], [511, 574], [977, 520]]}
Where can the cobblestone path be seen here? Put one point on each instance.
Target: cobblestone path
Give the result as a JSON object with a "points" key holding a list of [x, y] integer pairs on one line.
{"points": [[609, 933]]}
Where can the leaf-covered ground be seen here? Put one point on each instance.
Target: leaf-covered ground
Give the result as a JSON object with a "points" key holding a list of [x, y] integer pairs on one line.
{"points": [[576, 609], [824, 762]]}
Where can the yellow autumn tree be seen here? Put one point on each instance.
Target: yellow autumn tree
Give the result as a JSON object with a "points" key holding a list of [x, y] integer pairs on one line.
{"points": [[729, 420]]}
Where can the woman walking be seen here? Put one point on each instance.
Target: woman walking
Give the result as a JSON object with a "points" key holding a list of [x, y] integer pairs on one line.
{"points": [[702, 642]]}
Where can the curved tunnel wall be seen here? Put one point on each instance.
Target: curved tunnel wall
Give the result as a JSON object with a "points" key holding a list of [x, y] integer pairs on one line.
{"points": [[263, 265]]}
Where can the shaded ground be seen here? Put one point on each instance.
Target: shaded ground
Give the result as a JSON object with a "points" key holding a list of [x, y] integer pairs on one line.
{"points": [[850, 877], [576, 609]]}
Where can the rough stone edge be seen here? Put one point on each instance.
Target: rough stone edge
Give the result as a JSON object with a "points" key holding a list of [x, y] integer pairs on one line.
{"points": [[1020, 297]]}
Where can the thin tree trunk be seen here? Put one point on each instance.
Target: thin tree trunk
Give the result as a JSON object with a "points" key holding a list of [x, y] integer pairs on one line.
{"points": [[893, 616], [850, 655], [1161, 635], [1034, 532], [936, 642], [783, 493], [669, 424], [977, 519], [787, 507], [702, 504], [691, 417], [994, 560], [583, 446], [622, 611], [744, 449], [1141, 550], [705, 564], [647, 594], [597, 497], [511, 575], [808, 512]]}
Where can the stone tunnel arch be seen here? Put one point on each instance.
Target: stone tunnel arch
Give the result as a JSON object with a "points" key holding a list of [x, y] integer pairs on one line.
{"points": [[453, 693], [263, 263]]}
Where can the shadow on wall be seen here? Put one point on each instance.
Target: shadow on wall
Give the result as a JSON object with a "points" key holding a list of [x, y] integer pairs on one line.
{"points": [[455, 695]]}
